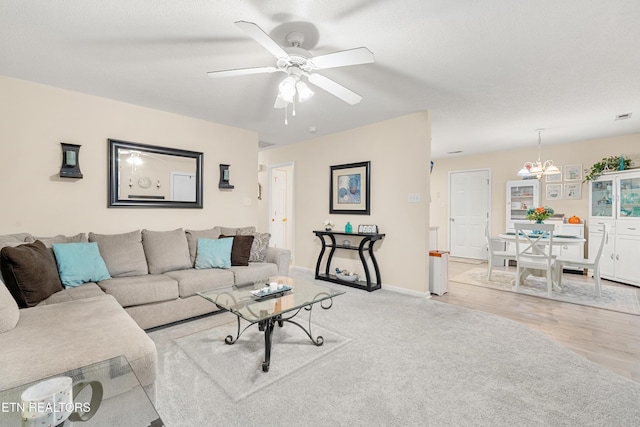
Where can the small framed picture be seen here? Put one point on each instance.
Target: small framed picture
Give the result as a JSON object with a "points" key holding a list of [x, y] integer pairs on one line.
{"points": [[573, 173], [573, 191], [555, 177], [554, 191]]}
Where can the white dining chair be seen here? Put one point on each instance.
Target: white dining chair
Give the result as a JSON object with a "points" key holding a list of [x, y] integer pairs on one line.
{"points": [[495, 255], [591, 263], [535, 252]]}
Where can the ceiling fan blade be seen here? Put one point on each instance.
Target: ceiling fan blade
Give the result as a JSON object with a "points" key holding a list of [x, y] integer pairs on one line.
{"points": [[242, 72], [263, 38], [335, 89], [360, 55]]}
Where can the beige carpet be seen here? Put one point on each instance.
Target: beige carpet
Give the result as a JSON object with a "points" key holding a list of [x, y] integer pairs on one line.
{"points": [[623, 299], [237, 368]]}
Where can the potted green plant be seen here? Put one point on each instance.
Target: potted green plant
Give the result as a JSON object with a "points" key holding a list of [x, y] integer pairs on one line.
{"points": [[606, 164]]}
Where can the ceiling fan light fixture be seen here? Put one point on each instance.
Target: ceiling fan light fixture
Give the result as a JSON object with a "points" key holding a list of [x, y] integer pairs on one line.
{"points": [[304, 92], [287, 89]]}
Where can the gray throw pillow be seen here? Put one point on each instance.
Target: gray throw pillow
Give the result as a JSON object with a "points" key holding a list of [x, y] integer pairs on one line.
{"points": [[123, 253], [166, 250], [259, 245], [60, 238]]}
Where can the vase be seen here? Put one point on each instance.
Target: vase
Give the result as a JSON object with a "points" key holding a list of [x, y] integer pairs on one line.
{"points": [[538, 221], [348, 228]]}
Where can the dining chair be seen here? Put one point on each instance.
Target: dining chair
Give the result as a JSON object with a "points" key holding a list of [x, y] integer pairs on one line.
{"points": [[592, 263], [495, 255], [534, 251]]}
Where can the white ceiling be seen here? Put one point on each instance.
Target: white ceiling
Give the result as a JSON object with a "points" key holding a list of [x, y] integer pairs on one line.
{"points": [[491, 71]]}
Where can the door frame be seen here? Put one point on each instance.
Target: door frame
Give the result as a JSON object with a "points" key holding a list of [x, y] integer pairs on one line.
{"points": [[290, 209], [489, 201]]}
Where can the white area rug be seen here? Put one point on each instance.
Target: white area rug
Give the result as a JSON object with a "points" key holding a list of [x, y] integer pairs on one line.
{"points": [[623, 299], [237, 368]]}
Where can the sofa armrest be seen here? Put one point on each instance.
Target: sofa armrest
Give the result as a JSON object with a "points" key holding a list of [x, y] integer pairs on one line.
{"points": [[281, 258]]}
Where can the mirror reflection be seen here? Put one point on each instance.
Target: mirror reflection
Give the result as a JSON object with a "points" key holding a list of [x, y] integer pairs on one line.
{"points": [[145, 175]]}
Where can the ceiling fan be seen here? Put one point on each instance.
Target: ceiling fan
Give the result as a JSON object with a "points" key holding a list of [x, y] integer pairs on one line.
{"points": [[297, 63]]}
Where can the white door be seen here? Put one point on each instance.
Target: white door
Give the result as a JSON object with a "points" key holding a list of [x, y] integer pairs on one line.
{"points": [[469, 201], [183, 187], [278, 220]]}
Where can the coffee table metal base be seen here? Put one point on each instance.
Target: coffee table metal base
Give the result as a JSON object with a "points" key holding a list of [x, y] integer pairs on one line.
{"points": [[268, 325]]}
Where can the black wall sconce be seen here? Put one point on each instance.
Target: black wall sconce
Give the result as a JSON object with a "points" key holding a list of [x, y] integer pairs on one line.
{"points": [[224, 177], [70, 161]]}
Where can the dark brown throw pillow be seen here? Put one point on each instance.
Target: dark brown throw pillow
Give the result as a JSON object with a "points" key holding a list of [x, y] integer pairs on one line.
{"points": [[241, 250], [30, 273]]}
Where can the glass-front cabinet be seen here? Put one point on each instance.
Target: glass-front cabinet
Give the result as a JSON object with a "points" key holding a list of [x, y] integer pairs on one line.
{"points": [[521, 195], [615, 196], [614, 204], [629, 199], [602, 197]]}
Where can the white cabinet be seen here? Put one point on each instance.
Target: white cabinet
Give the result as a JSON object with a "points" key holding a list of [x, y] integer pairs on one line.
{"points": [[521, 195], [614, 202]]}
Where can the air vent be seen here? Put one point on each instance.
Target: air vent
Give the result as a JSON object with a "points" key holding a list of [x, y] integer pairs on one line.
{"points": [[623, 116], [263, 144]]}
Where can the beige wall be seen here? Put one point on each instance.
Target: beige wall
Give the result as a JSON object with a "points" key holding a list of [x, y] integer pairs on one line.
{"points": [[399, 151], [34, 119], [504, 166]]}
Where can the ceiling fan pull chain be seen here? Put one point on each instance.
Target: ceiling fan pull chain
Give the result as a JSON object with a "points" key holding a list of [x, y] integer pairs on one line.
{"points": [[293, 107], [286, 122]]}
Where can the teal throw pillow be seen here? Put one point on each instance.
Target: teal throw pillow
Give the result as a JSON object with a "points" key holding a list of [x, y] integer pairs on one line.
{"points": [[214, 253], [79, 263]]}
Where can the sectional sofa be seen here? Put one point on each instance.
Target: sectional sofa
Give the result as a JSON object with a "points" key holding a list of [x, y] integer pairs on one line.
{"points": [[151, 279]]}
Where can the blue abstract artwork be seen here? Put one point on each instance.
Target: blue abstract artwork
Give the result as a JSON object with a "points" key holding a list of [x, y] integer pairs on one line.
{"points": [[349, 189]]}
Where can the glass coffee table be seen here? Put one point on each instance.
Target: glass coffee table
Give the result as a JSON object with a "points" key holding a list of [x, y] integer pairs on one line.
{"points": [[259, 304], [122, 399]]}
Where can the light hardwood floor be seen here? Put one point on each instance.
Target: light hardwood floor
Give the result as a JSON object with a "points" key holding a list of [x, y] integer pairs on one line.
{"points": [[605, 337]]}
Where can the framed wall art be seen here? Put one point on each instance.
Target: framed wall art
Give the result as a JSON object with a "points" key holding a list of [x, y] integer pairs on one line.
{"points": [[573, 173], [554, 191], [349, 189], [573, 191], [554, 177]]}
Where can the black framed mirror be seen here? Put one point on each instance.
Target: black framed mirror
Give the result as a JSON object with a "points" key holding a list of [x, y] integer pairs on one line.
{"points": [[150, 176]]}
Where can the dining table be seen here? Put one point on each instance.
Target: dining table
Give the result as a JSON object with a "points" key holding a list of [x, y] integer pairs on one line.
{"points": [[558, 239]]}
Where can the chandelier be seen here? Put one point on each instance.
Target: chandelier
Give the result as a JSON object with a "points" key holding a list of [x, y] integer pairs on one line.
{"points": [[537, 168]]}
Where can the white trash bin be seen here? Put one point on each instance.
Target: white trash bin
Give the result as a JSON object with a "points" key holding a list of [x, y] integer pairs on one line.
{"points": [[438, 272]]}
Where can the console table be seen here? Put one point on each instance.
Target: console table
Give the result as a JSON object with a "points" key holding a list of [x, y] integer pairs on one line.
{"points": [[366, 245]]}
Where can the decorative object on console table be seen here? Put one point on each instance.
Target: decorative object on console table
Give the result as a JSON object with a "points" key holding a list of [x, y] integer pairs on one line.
{"points": [[348, 228], [368, 229], [349, 189], [224, 178], [328, 225], [70, 161], [365, 245]]}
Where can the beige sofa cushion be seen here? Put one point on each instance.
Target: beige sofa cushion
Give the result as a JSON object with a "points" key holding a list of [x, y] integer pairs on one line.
{"points": [[194, 235], [166, 250], [139, 290], [254, 272], [123, 253], [86, 290], [56, 338], [60, 238], [192, 281], [9, 312]]}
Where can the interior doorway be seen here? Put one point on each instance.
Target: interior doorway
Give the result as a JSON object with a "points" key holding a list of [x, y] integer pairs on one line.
{"points": [[469, 205], [281, 194]]}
